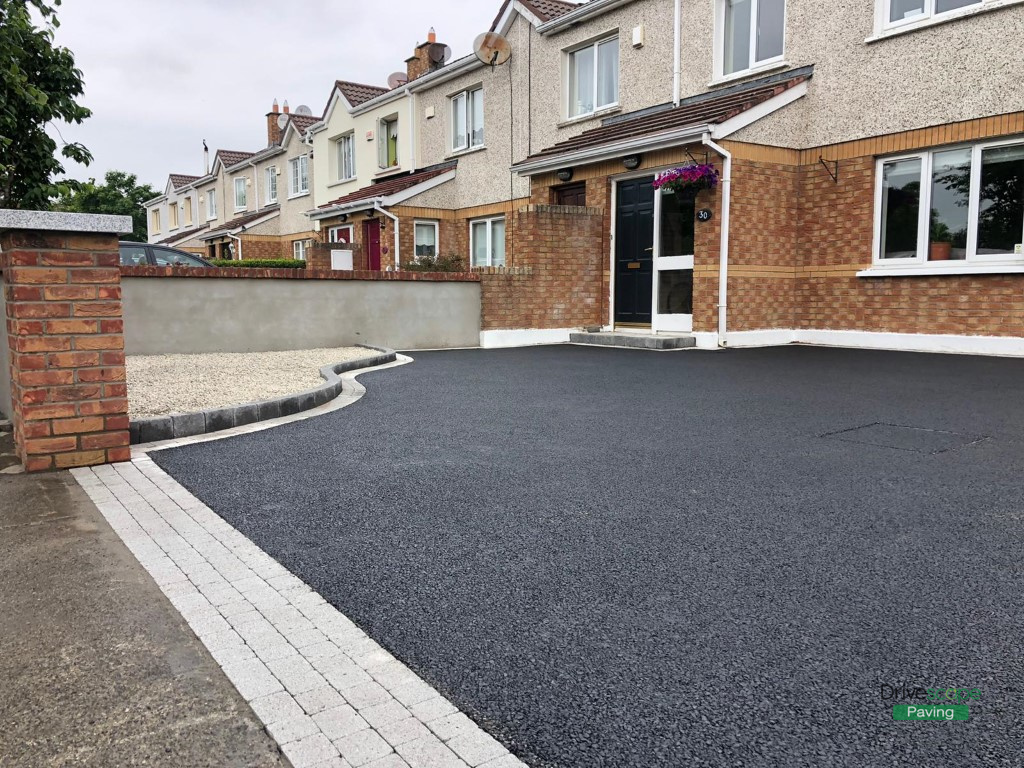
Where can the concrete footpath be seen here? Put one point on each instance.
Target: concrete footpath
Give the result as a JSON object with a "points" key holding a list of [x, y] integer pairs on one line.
{"points": [[97, 668]]}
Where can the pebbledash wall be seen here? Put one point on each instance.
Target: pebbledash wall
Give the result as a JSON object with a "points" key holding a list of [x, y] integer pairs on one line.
{"points": [[182, 310]]}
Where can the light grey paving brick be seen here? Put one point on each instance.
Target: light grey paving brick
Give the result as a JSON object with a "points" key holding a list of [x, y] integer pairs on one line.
{"points": [[432, 709], [429, 752], [287, 731], [248, 617], [248, 584], [296, 674], [209, 625], [363, 747], [223, 595], [382, 714], [320, 651], [285, 581], [451, 726], [476, 747], [307, 752], [413, 692], [276, 708], [334, 762], [506, 761], [306, 599], [342, 672], [252, 679], [339, 722], [320, 699], [232, 654], [403, 731], [222, 640], [393, 674], [237, 608], [366, 695], [269, 652], [390, 761], [374, 658]]}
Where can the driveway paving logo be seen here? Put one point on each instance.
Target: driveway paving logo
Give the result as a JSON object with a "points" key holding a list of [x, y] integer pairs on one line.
{"points": [[934, 703]]}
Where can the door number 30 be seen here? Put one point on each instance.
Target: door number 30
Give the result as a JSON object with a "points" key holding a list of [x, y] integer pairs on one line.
{"points": [[704, 214]]}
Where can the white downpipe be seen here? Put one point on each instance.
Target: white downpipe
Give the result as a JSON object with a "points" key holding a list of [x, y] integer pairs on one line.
{"points": [[723, 249], [412, 129], [256, 185], [234, 237], [677, 72], [376, 207]]}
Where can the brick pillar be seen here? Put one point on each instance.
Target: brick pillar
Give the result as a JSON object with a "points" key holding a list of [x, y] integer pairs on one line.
{"points": [[66, 335]]}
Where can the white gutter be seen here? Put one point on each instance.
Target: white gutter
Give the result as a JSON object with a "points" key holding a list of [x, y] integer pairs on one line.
{"points": [[723, 248], [376, 207], [678, 67], [583, 13], [354, 207]]}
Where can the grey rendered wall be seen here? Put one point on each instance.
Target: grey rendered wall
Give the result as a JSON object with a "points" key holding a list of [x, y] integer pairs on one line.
{"points": [[194, 315], [5, 357]]}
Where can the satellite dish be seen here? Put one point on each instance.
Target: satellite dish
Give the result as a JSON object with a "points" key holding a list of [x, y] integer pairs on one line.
{"points": [[303, 110], [397, 80], [439, 53], [492, 49], [282, 121]]}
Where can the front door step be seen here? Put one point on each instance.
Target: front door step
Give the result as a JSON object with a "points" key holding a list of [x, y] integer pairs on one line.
{"points": [[633, 341]]}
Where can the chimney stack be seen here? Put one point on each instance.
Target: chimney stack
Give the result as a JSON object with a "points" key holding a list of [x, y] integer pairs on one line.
{"points": [[272, 130], [419, 63], [286, 109]]}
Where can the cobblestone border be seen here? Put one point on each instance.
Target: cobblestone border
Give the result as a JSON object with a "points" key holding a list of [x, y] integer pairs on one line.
{"points": [[329, 695], [179, 425]]}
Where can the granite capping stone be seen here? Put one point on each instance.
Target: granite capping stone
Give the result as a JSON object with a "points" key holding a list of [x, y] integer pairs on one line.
{"points": [[57, 221], [217, 419]]}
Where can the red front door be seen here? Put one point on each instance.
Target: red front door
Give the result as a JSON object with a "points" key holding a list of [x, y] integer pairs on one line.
{"points": [[371, 237]]}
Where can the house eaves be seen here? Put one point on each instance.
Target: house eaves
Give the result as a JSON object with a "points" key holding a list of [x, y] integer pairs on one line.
{"points": [[584, 13], [241, 224], [383, 201], [259, 156]]}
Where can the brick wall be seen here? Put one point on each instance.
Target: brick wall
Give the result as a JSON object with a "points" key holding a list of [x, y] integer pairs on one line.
{"points": [[65, 332], [266, 247]]}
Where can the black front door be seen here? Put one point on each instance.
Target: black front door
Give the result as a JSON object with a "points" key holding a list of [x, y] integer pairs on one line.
{"points": [[634, 251]]}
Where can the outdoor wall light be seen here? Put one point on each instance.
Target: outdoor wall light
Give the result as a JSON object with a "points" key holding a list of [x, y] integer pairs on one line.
{"points": [[632, 162], [344, 217], [565, 174]]}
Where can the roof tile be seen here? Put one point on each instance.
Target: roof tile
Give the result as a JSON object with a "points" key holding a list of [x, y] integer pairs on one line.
{"points": [[394, 185], [229, 157], [357, 93], [179, 180]]}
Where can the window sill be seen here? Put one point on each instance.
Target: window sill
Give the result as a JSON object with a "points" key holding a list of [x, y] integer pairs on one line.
{"points": [[297, 196], [934, 21], [470, 151], [386, 172], [341, 182], [931, 269], [760, 69], [614, 109]]}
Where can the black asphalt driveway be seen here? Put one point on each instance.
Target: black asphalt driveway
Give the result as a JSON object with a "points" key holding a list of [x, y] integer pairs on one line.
{"points": [[622, 558]]}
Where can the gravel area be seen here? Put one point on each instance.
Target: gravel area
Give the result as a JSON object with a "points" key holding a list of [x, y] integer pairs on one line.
{"points": [[159, 385], [613, 558]]}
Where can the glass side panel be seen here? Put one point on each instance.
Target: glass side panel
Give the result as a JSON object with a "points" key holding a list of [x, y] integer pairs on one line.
{"points": [[901, 206], [678, 214], [675, 292], [1001, 204], [951, 188]]}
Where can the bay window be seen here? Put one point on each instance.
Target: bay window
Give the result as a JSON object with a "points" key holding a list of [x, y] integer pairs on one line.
{"points": [[961, 204], [468, 120], [487, 242], [753, 33], [594, 77]]}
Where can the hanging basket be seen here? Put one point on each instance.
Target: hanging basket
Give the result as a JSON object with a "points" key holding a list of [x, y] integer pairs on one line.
{"points": [[686, 182]]}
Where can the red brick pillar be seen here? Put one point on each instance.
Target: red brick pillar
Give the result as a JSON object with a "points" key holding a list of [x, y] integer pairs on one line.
{"points": [[66, 336]]}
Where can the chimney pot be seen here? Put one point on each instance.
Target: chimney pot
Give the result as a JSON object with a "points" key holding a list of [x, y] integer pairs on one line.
{"points": [[431, 36], [275, 109], [287, 110]]}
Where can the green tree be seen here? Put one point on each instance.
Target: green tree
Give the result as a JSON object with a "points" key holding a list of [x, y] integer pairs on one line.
{"points": [[119, 194], [38, 84]]}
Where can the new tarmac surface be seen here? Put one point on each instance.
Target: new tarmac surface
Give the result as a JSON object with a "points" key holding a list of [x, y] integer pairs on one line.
{"points": [[624, 558]]}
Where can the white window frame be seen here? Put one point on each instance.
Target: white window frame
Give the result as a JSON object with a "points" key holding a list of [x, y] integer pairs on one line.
{"points": [[490, 239], [417, 223], [172, 216], [298, 176], [154, 221], [929, 13], [271, 185], [244, 197], [332, 234], [568, 69], [211, 204], [920, 259], [382, 143], [755, 65], [461, 103], [340, 143], [186, 207], [300, 249]]}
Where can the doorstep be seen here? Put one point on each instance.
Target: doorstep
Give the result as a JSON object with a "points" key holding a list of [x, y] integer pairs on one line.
{"points": [[634, 340]]}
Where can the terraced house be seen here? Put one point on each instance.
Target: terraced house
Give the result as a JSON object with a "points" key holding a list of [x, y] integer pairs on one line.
{"points": [[869, 166]]}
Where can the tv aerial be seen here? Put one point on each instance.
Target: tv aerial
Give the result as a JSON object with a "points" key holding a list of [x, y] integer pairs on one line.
{"points": [[397, 80], [303, 111], [439, 54], [492, 48]]}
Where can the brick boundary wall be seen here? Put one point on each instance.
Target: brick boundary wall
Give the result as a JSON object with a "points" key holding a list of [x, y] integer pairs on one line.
{"points": [[66, 337], [299, 274]]}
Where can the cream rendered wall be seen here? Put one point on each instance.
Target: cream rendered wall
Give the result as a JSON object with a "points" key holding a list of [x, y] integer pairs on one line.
{"points": [[173, 197]]}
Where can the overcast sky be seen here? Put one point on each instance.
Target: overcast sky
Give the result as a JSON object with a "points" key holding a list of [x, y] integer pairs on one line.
{"points": [[160, 77]]}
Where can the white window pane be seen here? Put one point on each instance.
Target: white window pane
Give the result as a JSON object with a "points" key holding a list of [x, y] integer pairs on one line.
{"points": [[771, 22], [951, 191], [905, 9], [941, 6], [581, 82], [426, 240], [737, 35], [901, 208], [477, 118], [459, 121], [1001, 204], [479, 243], [608, 73], [498, 243]]}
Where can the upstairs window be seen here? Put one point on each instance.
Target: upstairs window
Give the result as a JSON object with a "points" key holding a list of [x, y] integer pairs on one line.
{"points": [[240, 195], [211, 204], [186, 206], [271, 185], [172, 216], [594, 77], [468, 120], [154, 220], [753, 33], [961, 204], [346, 148], [898, 12], [387, 143], [298, 176]]}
